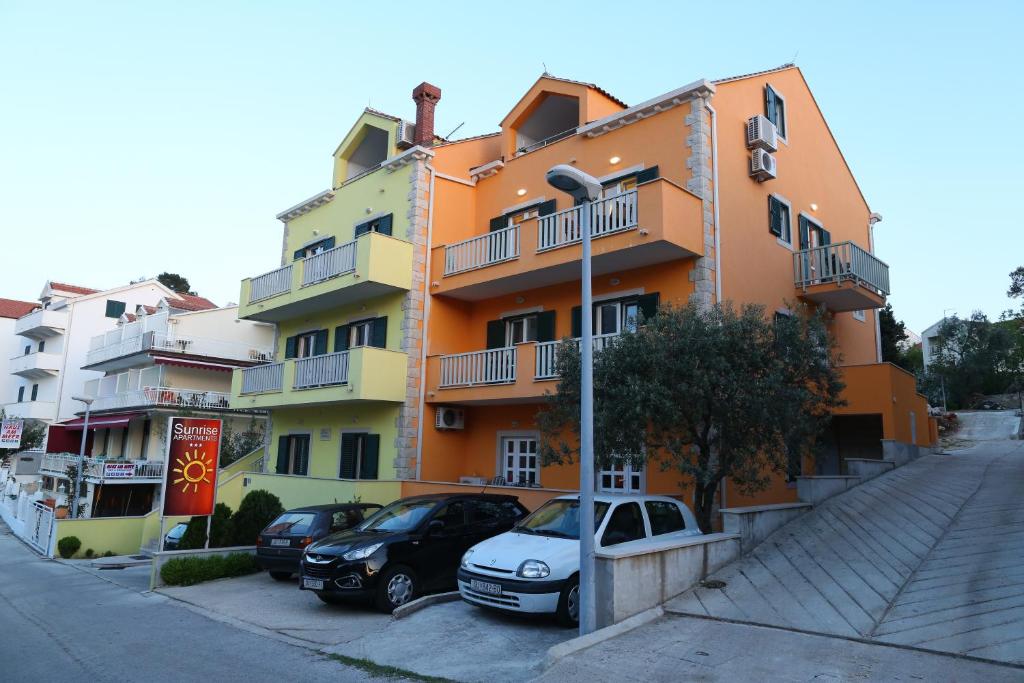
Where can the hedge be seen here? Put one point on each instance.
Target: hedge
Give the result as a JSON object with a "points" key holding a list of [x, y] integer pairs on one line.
{"points": [[187, 571]]}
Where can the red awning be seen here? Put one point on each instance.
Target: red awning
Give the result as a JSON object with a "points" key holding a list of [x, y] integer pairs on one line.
{"points": [[186, 363], [101, 421]]}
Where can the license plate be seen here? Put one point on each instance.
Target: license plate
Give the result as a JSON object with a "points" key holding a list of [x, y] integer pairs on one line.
{"points": [[485, 587], [280, 542], [315, 584]]}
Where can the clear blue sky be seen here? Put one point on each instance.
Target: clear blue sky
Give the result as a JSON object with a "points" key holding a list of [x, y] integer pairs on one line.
{"points": [[142, 137]]}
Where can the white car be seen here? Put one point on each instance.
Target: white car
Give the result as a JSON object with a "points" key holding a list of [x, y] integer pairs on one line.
{"points": [[535, 567]]}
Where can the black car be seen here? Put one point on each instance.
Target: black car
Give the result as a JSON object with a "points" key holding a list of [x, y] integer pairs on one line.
{"points": [[279, 547], [412, 546]]}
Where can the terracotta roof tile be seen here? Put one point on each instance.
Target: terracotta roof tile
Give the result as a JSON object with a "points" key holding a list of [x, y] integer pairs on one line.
{"points": [[596, 87], [73, 289], [191, 302], [12, 308]]}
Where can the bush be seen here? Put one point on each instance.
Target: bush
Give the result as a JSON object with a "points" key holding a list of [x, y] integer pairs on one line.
{"points": [[89, 552], [68, 546], [221, 527], [258, 509], [187, 571], [109, 553]]}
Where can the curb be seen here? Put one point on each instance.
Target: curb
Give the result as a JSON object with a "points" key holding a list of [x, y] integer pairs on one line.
{"points": [[559, 652], [426, 601]]}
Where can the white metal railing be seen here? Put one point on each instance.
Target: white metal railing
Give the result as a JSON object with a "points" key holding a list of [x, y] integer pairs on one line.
{"points": [[262, 378], [607, 216], [546, 141], [327, 264], [270, 284], [323, 370], [102, 468], [494, 366], [165, 396], [160, 341], [840, 262], [483, 250], [39, 527], [546, 365]]}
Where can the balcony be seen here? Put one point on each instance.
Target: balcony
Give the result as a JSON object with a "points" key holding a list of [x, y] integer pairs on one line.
{"points": [[657, 222], [164, 397], [104, 471], [369, 266], [32, 410], [116, 349], [359, 375], [41, 324], [36, 365], [841, 276]]}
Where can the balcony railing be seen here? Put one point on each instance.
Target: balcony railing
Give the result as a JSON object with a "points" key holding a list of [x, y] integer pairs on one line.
{"points": [[321, 371], [262, 378], [103, 469], [484, 250], [164, 397], [840, 262], [271, 284], [41, 321], [158, 341], [328, 264], [494, 366], [607, 216], [547, 354]]}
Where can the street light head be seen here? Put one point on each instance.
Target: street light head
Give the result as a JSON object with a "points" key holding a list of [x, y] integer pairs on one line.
{"points": [[574, 182], [87, 400]]}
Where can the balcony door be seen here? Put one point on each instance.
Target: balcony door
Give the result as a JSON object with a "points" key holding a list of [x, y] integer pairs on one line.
{"points": [[519, 465], [622, 477], [293, 454]]}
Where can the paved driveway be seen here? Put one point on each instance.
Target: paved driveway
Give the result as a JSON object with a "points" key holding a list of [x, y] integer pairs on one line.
{"points": [[986, 425], [927, 555]]}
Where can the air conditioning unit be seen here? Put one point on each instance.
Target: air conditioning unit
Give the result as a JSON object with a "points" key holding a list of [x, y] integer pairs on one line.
{"points": [[762, 165], [449, 418], [406, 134], [761, 134]]}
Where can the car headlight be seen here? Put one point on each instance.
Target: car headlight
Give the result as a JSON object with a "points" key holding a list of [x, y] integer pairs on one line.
{"points": [[361, 553], [465, 558], [533, 569]]}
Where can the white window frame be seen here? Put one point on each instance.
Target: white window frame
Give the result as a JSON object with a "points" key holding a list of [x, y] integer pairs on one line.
{"points": [[510, 330], [502, 469], [789, 215], [360, 333], [627, 471], [785, 114], [859, 315], [305, 339]]}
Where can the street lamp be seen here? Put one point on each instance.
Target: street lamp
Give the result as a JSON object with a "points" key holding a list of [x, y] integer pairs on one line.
{"points": [[87, 400], [942, 376], [584, 189]]}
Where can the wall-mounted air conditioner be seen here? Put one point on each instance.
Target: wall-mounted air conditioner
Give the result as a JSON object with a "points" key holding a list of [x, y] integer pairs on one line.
{"points": [[449, 418], [761, 134], [406, 134], [762, 165]]}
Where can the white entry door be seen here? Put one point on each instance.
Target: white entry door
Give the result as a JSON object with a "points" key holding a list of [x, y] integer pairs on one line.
{"points": [[519, 460]]}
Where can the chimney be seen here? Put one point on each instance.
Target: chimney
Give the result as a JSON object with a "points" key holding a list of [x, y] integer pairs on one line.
{"points": [[426, 97]]}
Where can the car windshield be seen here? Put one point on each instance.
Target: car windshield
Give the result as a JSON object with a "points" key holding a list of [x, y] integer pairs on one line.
{"points": [[402, 515], [178, 531], [560, 518], [291, 523]]}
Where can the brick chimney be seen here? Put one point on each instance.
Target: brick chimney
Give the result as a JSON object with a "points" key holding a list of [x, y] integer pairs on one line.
{"points": [[426, 97]]}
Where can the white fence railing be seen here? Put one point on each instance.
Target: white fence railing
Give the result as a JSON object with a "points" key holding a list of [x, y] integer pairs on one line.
{"points": [[840, 262], [484, 250], [328, 264], [270, 284], [607, 216], [103, 469], [262, 378], [494, 366], [546, 365], [194, 346], [39, 527], [165, 396], [323, 370]]}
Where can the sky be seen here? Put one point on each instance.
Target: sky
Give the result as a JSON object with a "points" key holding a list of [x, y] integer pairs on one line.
{"points": [[143, 137]]}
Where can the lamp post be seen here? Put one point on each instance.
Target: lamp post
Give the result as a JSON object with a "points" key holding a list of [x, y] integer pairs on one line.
{"points": [[942, 376], [87, 400], [584, 189]]}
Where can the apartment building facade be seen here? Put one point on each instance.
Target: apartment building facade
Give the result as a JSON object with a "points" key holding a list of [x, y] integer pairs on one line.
{"points": [[11, 346]]}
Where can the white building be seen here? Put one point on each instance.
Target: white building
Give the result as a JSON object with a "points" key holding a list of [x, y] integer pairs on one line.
{"points": [[10, 344], [930, 342]]}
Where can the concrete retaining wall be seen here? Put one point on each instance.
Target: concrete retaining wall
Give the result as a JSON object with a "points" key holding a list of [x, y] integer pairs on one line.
{"points": [[814, 490], [899, 452], [161, 558], [754, 524], [866, 468], [640, 576]]}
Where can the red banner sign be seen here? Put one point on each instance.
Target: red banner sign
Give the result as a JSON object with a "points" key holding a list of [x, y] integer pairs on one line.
{"points": [[190, 487]]}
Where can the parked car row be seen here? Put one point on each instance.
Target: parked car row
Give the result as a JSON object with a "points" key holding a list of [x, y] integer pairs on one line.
{"points": [[488, 546]]}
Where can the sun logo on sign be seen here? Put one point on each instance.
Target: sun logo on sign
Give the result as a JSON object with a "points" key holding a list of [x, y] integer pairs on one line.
{"points": [[193, 471]]}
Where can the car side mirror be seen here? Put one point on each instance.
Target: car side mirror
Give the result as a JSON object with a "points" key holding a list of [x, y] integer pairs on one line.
{"points": [[435, 526]]}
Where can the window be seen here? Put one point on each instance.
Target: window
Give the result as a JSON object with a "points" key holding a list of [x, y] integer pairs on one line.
{"points": [[626, 524], [381, 224], [345, 519], [608, 318], [520, 330], [315, 248], [484, 511], [360, 334], [613, 317], [28, 350], [114, 308], [523, 213], [35, 391], [296, 523], [453, 515], [519, 460], [293, 454], [42, 346], [21, 394], [360, 456], [622, 477], [859, 315], [307, 344], [775, 109], [665, 517], [779, 223], [370, 332]]}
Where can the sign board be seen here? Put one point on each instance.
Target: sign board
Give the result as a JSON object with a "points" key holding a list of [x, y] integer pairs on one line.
{"points": [[118, 470], [10, 433], [190, 479]]}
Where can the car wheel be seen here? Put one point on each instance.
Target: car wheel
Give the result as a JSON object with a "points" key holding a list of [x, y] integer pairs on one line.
{"points": [[568, 613], [396, 587], [281, 576], [329, 598]]}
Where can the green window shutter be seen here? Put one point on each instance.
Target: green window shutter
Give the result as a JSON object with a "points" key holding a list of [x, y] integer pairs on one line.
{"points": [[320, 345], [546, 326], [299, 253], [379, 332], [329, 243], [289, 347], [348, 456], [114, 308], [371, 456], [495, 334], [342, 333], [21, 394], [647, 175], [805, 233], [282, 455], [769, 104], [302, 455], [384, 224], [774, 216], [546, 208], [362, 229], [499, 223], [577, 321], [826, 236], [649, 304]]}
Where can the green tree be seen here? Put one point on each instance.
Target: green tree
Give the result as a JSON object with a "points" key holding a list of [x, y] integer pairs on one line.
{"points": [[713, 393], [974, 357], [175, 282], [221, 527], [258, 509], [892, 335], [236, 444]]}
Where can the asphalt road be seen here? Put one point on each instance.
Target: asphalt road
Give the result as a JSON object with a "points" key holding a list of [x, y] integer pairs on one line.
{"points": [[987, 425], [58, 623]]}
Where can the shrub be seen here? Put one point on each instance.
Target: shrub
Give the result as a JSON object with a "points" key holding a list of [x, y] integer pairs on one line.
{"points": [[68, 546], [258, 509], [109, 553], [187, 571], [89, 552], [220, 530]]}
